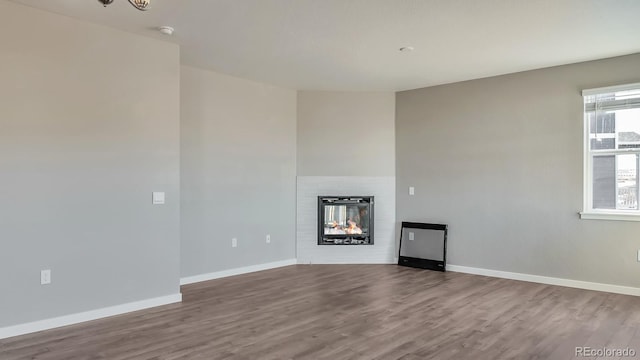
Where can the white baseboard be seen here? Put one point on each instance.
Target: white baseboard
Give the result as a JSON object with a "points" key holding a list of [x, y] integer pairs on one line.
{"points": [[237, 271], [71, 319], [617, 289], [348, 262]]}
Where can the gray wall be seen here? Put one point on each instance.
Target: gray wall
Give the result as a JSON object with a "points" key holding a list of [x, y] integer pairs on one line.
{"points": [[346, 133], [89, 124], [238, 170], [500, 160]]}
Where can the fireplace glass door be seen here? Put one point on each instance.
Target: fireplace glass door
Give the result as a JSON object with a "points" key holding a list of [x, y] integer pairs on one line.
{"points": [[345, 220]]}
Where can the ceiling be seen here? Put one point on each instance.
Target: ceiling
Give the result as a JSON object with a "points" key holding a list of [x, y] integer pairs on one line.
{"points": [[353, 44]]}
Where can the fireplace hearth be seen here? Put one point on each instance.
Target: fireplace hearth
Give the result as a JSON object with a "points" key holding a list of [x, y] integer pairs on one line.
{"points": [[345, 220]]}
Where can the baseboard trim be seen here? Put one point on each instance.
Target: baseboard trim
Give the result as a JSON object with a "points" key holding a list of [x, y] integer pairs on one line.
{"points": [[47, 324], [348, 262], [586, 285], [237, 271]]}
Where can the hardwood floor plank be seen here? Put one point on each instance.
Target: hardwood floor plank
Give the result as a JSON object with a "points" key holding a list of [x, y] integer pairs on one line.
{"points": [[351, 312]]}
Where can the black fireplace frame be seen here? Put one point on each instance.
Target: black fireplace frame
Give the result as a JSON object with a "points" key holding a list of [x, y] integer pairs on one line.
{"points": [[437, 265], [345, 200]]}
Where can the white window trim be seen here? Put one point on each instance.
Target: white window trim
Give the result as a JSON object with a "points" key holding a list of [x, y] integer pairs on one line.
{"points": [[610, 89], [609, 215], [588, 213]]}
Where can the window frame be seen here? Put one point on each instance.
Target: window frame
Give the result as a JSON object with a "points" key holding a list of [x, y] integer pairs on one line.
{"points": [[588, 212]]}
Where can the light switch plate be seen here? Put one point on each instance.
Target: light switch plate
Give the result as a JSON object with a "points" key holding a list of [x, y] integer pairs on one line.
{"points": [[412, 236], [412, 190], [45, 277], [158, 198]]}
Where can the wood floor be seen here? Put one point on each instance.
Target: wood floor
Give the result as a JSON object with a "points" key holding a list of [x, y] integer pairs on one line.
{"points": [[352, 312]]}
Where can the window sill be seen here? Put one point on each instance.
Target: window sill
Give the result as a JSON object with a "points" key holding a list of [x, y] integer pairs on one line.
{"points": [[609, 216]]}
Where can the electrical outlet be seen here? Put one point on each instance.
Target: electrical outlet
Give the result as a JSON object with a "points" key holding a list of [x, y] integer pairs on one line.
{"points": [[412, 236], [234, 242], [158, 198], [268, 239], [412, 190], [45, 277]]}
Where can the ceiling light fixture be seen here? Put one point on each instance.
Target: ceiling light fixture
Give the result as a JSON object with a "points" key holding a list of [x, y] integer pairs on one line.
{"points": [[138, 4], [166, 30]]}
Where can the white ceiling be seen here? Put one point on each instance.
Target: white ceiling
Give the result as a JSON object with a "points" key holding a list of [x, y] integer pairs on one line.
{"points": [[353, 44]]}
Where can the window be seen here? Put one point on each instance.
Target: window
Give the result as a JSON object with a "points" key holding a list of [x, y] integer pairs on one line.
{"points": [[612, 153]]}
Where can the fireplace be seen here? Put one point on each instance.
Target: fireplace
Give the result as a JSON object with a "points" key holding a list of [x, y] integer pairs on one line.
{"points": [[345, 220]]}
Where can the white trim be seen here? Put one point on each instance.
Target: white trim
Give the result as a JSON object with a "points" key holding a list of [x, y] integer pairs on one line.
{"points": [[610, 89], [590, 215], [389, 261], [605, 152], [617, 289], [587, 164], [76, 318], [237, 271]]}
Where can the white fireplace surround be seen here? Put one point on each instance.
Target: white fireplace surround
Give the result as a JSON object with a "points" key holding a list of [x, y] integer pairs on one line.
{"points": [[383, 250]]}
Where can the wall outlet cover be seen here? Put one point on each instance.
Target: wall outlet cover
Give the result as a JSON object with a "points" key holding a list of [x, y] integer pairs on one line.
{"points": [[158, 198]]}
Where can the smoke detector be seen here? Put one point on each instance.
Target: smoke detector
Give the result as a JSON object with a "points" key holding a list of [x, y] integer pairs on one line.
{"points": [[406, 49], [166, 30]]}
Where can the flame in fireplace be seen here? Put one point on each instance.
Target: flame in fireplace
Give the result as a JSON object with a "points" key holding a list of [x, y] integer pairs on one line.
{"points": [[336, 229], [352, 228]]}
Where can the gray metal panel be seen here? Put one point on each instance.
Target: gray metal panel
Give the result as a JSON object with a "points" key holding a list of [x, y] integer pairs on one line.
{"points": [[426, 244]]}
